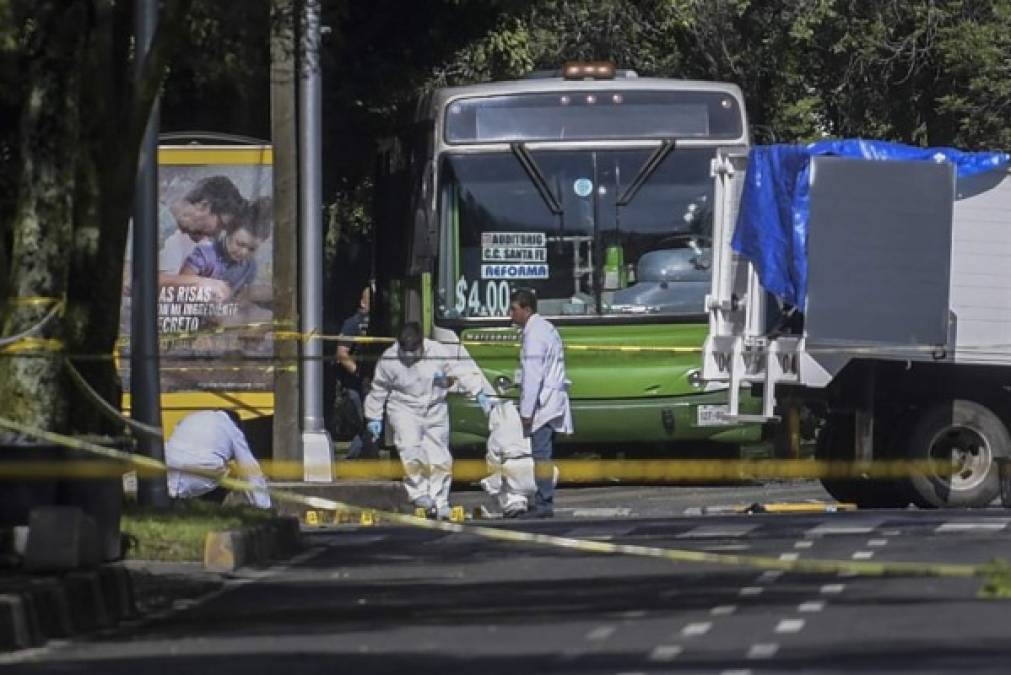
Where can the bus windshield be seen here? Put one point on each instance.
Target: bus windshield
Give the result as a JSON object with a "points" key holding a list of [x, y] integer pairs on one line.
{"points": [[577, 247]]}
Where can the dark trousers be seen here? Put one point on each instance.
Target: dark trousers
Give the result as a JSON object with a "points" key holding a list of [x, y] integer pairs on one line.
{"points": [[541, 445], [361, 446]]}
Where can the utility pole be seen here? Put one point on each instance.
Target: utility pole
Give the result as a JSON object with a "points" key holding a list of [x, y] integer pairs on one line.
{"points": [[145, 386], [316, 447], [286, 442]]}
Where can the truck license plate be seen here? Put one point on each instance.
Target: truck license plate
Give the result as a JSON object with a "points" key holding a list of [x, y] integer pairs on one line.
{"points": [[712, 415]]}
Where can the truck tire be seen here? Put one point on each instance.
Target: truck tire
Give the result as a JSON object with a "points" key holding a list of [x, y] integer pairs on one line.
{"points": [[963, 436], [836, 443]]}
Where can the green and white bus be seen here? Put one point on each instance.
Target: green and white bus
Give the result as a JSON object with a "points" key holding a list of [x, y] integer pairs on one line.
{"points": [[592, 187]]}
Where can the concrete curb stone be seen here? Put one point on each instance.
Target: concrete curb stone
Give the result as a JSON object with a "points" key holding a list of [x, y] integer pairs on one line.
{"points": [[229, 550], [53, 604], [87, 604], [14, 629]]}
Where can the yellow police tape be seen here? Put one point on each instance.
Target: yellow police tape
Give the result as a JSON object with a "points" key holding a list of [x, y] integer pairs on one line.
{"points": [[519, 537], [571, 471]]}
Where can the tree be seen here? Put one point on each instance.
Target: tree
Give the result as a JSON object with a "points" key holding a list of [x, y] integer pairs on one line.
{"points": [[81, 120]]}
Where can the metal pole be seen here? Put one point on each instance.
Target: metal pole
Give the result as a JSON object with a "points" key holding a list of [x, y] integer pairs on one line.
{"points": [[315, 440], [145, 388]]}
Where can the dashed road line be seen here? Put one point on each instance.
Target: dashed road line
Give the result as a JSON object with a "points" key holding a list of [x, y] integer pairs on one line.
{"points": [[770, 575], [723, 610], [863, 555], [877, 542], [803, 543], [751, 591], [789, 557], [987, 525], [811, 606], [715, 531], [834, 528], [763, 650], [832, 589], [600, 633], [665, 652], [695, 629], [790, 625]]}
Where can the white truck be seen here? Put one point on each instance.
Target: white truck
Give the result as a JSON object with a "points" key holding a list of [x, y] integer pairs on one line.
{"points": [[906, 338]]}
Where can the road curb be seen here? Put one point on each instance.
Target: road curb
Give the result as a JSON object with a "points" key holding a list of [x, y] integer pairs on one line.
{"points": [[228, 550], [35, 609]]}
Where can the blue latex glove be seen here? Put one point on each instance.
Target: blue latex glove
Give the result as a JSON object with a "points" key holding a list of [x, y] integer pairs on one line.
{"points": [[375, 429], [485, 402]]}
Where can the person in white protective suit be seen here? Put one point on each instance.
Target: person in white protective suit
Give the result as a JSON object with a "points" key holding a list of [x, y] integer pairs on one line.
{"points": [[411, 381], [510, 462]]}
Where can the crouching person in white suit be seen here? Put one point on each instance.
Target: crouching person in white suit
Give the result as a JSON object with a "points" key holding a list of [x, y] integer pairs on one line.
{"points": [[411, 381], [510, 462]]}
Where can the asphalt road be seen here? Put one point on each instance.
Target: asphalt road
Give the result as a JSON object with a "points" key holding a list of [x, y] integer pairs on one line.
{"points": [[391, 600]]}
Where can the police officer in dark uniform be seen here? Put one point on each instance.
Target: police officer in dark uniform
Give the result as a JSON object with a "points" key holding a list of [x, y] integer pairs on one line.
{"points": [[353, 380]]}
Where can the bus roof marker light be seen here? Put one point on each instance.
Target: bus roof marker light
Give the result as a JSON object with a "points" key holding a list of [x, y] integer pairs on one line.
{"points": [[588, 70], [618, 99], [590, 99], [727, 104], [564, 100]]}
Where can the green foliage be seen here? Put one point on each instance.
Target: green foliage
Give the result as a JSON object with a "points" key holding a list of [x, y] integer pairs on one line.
{"points": [[997, 574]]}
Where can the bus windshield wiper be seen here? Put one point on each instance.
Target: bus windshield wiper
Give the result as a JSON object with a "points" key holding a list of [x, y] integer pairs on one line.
{"points": [[647, 170], [526, 160]]}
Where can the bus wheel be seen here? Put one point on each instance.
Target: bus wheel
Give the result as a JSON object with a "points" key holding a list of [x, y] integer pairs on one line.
{"points": [[953, 445], [836, 443]]}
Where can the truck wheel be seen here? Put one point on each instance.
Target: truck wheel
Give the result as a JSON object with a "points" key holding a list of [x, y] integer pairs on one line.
{"points": [[954, 444], [836, 443]]}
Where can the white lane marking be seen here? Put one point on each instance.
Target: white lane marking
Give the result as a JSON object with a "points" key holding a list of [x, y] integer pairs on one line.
{"points": [[848, 574], [832, 589], [723, 610], [665, 652], [710, 531], [863, 555], [833, 528], [736, 671], [599, 512], [988, 525], [750, 591], [804, 543], [600, 633], [700, 628], [770, 575], [763, 650], [597, 532], [811, 606], [789, 556], [877, 542], [790, 626]]}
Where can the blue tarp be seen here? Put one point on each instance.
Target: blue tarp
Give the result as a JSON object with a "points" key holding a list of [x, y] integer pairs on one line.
{"points": [[771, 227]]}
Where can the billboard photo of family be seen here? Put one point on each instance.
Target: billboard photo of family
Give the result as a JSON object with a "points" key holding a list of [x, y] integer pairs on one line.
{"points": [[215, 275]]}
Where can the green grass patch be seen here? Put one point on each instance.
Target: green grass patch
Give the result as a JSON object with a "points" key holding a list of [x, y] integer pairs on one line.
{"points": [[177, 533], [998, 579]]}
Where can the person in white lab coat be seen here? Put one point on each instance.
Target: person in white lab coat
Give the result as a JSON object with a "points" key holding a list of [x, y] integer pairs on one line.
{"points": [[208, 440], [411, 380], [544, 393]]}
